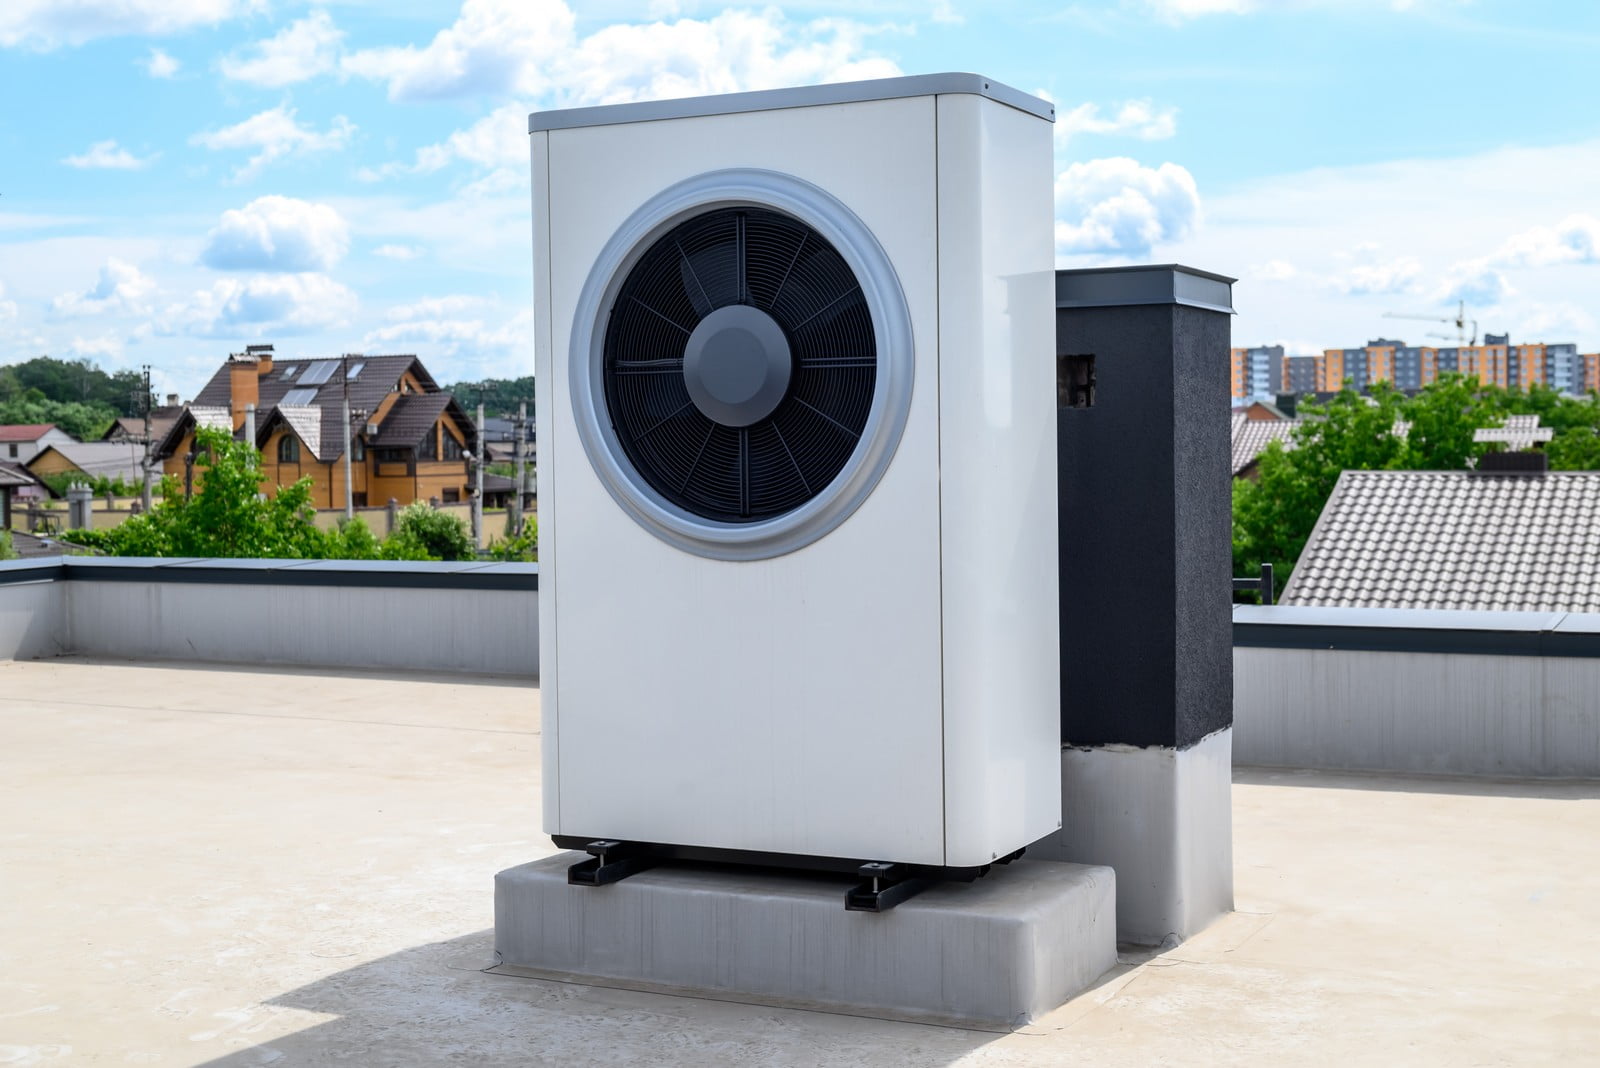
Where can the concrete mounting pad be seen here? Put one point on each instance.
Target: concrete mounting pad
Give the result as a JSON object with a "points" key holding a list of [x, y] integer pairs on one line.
{"points": [[995, 953]]}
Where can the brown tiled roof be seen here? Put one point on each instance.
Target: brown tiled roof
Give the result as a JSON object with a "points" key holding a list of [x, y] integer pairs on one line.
{"points": [[375, 380], [1454, 540], [410, 418]]}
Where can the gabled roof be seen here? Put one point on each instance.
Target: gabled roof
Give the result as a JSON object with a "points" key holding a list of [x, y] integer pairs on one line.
{"points": [[14, 475], [1251, 437], [25, 431], [315, 391], [1455, 540], [411, 417], [110, 459]]}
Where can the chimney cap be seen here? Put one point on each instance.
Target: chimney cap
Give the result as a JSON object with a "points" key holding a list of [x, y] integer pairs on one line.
{"points": [[257, 349]]}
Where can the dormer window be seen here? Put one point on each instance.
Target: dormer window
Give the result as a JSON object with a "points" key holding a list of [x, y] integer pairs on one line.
{"points": [[288, 449]]}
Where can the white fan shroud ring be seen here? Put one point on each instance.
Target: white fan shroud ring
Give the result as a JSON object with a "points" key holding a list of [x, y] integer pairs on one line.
{"points": [[891, 402]]}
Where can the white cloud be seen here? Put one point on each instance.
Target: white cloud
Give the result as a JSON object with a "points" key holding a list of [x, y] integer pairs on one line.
{"points": [[277, 233], [1477, 282], [47, 24], [1176, 11], [473, 347], [303, 50], [1576, 239], [397, 252], [944, 13], [106, 346], [274, 134], [436, 307], [1272, 271], [1118, 206], [1135, 118], [8, 308], [1560, 320], [531, 48], [732, 52], [121, 287], [160, 65], [281, 304], [106, 155], [1392, 276]]}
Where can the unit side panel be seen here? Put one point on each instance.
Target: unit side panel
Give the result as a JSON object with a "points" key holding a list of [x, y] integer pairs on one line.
{"points": [[791, 704], [997, 424], [544, 475]]}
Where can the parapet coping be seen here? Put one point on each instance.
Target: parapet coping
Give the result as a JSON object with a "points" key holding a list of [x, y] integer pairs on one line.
{"points": [[371, 574], [1417, 630]]}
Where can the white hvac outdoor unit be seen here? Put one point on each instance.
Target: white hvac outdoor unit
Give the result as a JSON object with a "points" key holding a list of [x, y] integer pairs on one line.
{"points": [[797, 472]]}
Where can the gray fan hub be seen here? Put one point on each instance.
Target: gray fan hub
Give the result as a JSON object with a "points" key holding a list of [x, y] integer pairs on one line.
{"points": [[737, 365]]}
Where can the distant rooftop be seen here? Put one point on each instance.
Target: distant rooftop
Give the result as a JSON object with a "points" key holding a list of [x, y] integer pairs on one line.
{"points": [[1455, 540]]}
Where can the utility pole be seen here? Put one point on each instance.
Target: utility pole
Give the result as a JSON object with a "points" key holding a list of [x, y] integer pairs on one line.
{"points": [[144, 403], [517, 451], [477, 490], [344, 413]]}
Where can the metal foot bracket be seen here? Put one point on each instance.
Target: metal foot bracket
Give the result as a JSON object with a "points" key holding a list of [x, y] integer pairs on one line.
{"points": [[884, 886], [610, 862]]}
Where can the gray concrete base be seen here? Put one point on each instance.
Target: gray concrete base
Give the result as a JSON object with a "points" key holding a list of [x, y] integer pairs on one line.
{"points": [[1163, 818], [995, 953]]}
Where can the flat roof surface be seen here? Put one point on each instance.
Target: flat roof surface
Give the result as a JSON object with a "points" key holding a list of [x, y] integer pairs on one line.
{"points": [[219, 865]]}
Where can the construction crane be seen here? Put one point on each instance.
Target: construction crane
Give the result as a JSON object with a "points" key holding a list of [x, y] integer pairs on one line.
{"points": [[1459, 322]]}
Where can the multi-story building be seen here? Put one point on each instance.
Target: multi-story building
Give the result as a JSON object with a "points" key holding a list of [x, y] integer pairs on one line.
{"points": [[1494, 361], [1258, 372]]}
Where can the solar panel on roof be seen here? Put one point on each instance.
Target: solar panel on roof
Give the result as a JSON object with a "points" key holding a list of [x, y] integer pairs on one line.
{"points": [[355, 369], [318, 373], [299, 396]]}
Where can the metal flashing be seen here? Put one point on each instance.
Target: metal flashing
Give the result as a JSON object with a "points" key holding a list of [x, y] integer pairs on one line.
{"points": [[1163, 283], [369, 574], [1417, 631], [798, 97]]}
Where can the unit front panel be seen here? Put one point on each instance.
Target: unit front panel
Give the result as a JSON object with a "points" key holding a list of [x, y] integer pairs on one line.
{"points": [[789, 704]]}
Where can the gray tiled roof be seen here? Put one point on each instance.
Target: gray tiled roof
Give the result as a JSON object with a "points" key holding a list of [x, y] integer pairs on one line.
{"points": [[13, 475], [1454, 540], [1251, 437]]}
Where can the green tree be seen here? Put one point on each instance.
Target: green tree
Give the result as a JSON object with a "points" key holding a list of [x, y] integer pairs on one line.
{"points": [[422, 532], [524, 546], [500, 395], [1443, 419], [7, 550], [86, 422]]}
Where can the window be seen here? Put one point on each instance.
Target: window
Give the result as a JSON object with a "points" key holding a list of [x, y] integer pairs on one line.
{"points": [[288, 449], [355, 370], [13, 448], [358, 450], [358, 500], [393, 456], [452, 447], [452, 496], [429, 447]]}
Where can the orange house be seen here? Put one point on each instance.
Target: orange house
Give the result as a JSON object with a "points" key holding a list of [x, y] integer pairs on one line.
{"points": [[408, 440]]}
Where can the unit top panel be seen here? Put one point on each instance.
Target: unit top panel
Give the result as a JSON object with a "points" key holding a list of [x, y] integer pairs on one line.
{"points": [[801, 97]]}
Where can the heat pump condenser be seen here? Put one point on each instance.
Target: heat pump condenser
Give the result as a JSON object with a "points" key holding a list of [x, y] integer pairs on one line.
{"points": [[797, 472]]}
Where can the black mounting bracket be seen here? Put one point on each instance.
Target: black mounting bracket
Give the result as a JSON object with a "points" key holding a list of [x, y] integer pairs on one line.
{"points": [[610, 862], [883, 887]]}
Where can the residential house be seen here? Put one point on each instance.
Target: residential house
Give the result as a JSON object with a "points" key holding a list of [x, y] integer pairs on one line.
{"points": [[13, 478], [131, 427], [21, 443], [1252, 435], [91, 460], [408, 440]]}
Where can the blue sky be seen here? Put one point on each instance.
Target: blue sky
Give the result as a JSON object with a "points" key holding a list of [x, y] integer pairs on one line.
{"points": [[179, 178]]}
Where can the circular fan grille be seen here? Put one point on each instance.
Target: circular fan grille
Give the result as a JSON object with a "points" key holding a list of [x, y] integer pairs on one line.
{"points": [[781, 266]]}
